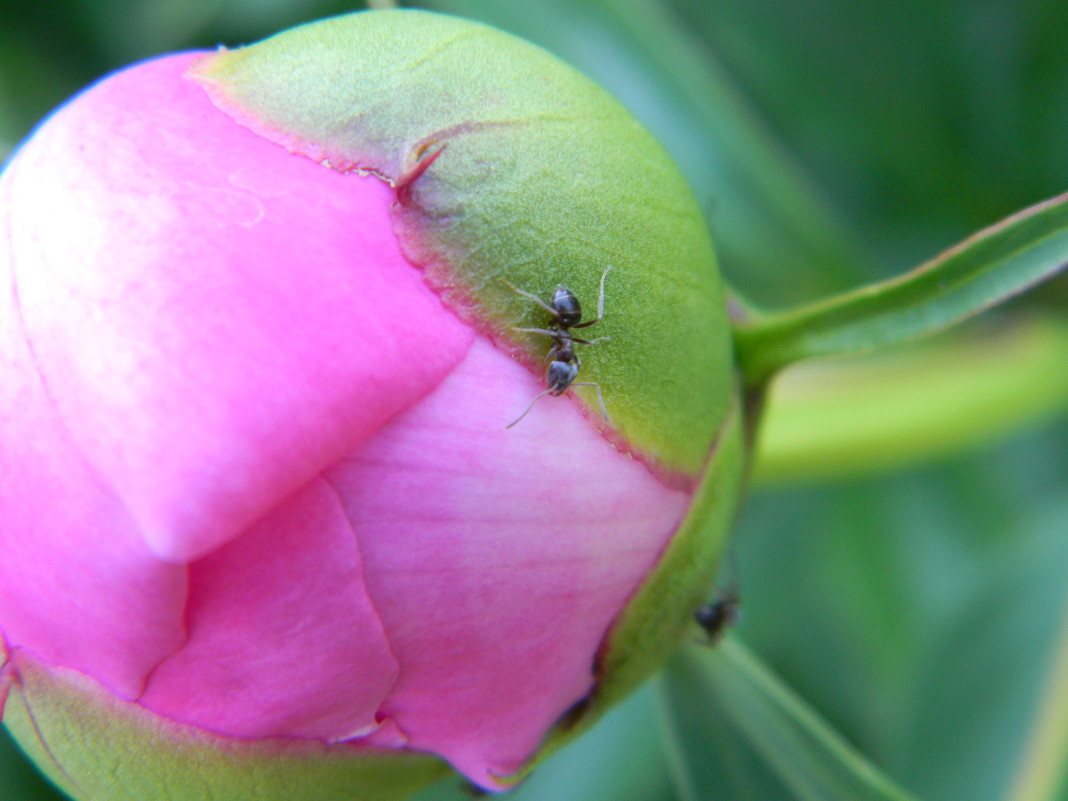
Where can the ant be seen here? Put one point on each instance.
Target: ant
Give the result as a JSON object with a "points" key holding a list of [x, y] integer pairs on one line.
{"points": [[717, 616], [564, 363], [720, 614]]}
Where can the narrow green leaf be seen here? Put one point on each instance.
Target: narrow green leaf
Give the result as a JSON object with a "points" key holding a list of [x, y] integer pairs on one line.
{"points": [[988, 268], [709, 692], [864, 414]]}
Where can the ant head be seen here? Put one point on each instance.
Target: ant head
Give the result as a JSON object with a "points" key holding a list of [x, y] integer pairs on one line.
{"points": [[560, 376]]}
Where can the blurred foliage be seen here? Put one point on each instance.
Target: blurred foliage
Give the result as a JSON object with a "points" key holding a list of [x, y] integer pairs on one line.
{"points": [[916, 608]]}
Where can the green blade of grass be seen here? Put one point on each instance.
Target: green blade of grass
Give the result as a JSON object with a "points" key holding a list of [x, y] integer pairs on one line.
{"points": [[898, 407], [714, 695], [1043, 770]]}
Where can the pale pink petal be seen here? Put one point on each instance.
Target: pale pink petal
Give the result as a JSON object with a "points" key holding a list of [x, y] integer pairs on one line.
{"points": [[497, 559], [78, 587], [282, 636], [216, 319]]}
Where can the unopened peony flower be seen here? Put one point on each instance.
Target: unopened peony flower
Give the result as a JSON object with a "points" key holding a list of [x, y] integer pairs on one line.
{"points": [[262, 523]]}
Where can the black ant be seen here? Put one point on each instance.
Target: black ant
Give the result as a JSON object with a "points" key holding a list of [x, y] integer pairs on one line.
{"points": [[720, 614], [564, 362], [717, 616]]}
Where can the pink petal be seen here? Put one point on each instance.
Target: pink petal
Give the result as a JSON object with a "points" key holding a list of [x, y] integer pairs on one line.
{"points": [[216, 319], [78, 587], [282, 637], [498, 559]]}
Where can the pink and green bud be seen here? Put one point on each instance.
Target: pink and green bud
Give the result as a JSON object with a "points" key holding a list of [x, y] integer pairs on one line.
{"points": [[262, 521]]}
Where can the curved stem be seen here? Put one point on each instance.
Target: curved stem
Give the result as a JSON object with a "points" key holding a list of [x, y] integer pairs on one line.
{"points": [[984, 270]]}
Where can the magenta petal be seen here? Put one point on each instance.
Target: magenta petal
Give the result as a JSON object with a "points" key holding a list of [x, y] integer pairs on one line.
{"points": [[498, 559], [216, 319], [78, 587], [283, 639]]}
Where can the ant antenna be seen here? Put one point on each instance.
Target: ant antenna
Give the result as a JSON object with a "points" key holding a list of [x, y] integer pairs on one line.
{"points": [[544, 392], [537, 397]]}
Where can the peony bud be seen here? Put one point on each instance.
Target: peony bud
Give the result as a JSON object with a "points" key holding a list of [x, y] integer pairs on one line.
{"points": [[264, 529]]}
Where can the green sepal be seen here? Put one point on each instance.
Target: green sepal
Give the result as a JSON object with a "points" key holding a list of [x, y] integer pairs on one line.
{"points": [[538, 178], [96, 747]]}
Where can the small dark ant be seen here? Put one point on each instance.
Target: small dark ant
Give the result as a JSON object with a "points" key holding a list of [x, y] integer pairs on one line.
{"points": [[720, 614], [717, 616], [564, 363]]}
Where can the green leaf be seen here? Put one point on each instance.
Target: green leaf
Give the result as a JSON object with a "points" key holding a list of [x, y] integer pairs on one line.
{"points": [[725, 693], [864, 414], [988, 268]]}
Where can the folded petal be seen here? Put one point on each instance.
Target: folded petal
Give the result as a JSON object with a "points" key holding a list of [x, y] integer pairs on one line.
{"points": [[216, 319], [498, 558], [78, 586], [283, 639]]}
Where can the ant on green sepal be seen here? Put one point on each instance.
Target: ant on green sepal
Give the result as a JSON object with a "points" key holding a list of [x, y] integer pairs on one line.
{"points": [[717, 616], [564, 363]]}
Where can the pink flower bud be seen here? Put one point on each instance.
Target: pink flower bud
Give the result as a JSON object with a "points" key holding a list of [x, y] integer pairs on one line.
{"points": [[256, 480]]}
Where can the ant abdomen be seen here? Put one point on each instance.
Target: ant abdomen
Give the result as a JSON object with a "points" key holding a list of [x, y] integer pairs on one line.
{"points": [[567, 306]]}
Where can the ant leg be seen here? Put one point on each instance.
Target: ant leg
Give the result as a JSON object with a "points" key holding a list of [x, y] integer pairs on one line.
{"points": [[531, 296], [600, 397], [552, 334], [600, 296], [600, 302], [551, 355], [526, 411], [590, 341]]}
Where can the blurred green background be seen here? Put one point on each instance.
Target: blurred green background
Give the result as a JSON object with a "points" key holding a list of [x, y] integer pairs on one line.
{"points": [[913, 591]]}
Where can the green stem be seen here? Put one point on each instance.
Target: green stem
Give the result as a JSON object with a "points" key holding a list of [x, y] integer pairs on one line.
{"points": [[988, 268]]}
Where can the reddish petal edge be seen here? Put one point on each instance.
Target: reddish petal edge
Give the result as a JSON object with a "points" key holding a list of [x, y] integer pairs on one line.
{"points": [[7, 673], [94, 745]]}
